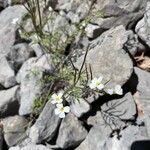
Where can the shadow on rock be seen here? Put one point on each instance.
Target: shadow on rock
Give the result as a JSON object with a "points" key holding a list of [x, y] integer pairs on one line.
{"points": [[141, 145]]}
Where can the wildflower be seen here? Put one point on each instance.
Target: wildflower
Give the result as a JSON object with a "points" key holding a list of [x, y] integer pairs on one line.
{"points": [[61, 110], [97, 83], [110, 91], [116, 90], [15, 21], [50, 9], [57, 98]]}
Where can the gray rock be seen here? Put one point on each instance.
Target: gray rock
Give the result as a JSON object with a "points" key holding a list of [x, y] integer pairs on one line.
{"points": [[14, 129], [124, 107], [106, 50], [30, 147], [7, 28], [79, 108], [29, 76], [19, 54], [46, 125], [95, 139], [98, 24], [131, 138], [99, 137], [3, 3], [121, 6], [9, 101], [71, 132], [114, 13], [7, 74], [142, 28]]}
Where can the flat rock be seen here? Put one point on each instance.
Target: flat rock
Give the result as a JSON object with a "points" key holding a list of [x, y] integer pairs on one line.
{"points": [[71, 132], [46, 125], [7, 74], [108, 58], [124, 107], [142, 28], [14, 129], [9, 101]]}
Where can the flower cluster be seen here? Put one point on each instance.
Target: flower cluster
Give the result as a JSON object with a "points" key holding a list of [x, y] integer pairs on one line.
{"points": [[57, 98], [96, 84]]}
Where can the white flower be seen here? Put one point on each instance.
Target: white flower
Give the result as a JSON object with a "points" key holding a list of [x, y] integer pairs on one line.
{"points": [[110, 91], [57, 98], [83, 24], [118, 90], [96, 83], [61, 110], [50, 9], [15, 21]]}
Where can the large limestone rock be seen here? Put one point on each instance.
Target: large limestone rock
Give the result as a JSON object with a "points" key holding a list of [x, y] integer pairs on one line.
{"points": [[107, 57], [46, 125], [29, 76], [124, 107], [9, 101], [71, 132]]}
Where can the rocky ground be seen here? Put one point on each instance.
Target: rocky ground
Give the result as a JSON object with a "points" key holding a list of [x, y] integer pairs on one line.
{"points": [[120, 48]]}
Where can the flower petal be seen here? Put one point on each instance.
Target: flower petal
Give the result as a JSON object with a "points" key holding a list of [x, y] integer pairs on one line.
{"points": [[54, 96], [118, 90], [110, 91], [100, 86], [60, 100], [59, 106], [53, 102], [67, 109], [100, 78], [92, 86], [57, 111], [62, 115], [60, 94]]}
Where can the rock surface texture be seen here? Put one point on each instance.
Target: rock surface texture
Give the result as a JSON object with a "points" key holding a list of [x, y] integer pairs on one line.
{"points": [[51, 61]]}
